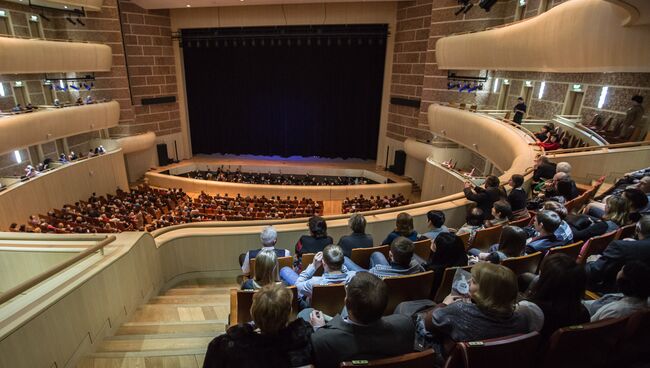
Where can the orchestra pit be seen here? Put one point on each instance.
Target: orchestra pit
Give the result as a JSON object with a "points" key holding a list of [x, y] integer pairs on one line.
{"points": [[324, 183]]}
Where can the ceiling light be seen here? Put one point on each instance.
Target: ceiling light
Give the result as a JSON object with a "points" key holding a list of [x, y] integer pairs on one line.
{"points": [[2, 90], [496, 85], [17, 157], [603, 96], [65, 7], [541, 90], [188, 5]]}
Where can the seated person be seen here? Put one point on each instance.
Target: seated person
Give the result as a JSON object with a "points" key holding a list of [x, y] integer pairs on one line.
{"points": [[358, 238], [331, 258], [557, 294], [518, 197], [268, 237], [315, 242], [501, 213], [475, 221], [512, 243], [616, 215], [447, 250], [270, 341], [488, 312], [401, 261], [403, 227], [266, 270], [550, 144], [484, 197], [597, 209], [563, 232], [544, 169], [545, 223], [632, 282], [542, 135], [436, 223], [639, 205], [602, 272], [364, 333]]}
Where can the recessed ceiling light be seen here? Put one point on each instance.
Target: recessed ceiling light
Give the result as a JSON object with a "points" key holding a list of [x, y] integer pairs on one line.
{"points": [[188, 5], [65, 7]]}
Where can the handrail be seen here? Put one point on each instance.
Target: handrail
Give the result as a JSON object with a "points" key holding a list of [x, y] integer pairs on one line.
{"points": [[26, 285], [597, 138], [68, 40], [605, 147]]}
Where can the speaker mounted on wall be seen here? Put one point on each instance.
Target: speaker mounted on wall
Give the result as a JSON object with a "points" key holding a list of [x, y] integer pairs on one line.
{"points": [[158, 100]]}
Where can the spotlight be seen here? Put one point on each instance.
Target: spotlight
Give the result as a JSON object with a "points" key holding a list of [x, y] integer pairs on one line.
{"points": [[486, 4]]}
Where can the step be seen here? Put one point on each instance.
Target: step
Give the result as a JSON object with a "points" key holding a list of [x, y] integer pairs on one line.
{"points": [[145, 361], [143, 343], [149, 328], [179, 312], [216, 299], [207, 282], [200, 291]]}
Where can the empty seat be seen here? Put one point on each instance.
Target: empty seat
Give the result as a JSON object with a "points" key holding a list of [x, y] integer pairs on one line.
{"points": [[486, 237], [422, 248], [588, 345], [282, 261], [523, 264], [571, 250], [405, 288], [242, 300], [411, 360], [595, 245], [329, 299], [361, 256], [445, 285], [505, 352]]}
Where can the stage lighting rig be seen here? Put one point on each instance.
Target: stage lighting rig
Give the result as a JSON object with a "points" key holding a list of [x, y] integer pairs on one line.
{"points": [[465, 6]]}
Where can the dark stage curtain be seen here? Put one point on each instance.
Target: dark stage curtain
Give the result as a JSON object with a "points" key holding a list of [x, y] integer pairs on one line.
{"points": [[305, 100]]}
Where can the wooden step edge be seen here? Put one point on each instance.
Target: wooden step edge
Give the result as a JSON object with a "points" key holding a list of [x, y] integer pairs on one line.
{"points": [[146, 354], [179, 335], [193, 305], [174, 323]]}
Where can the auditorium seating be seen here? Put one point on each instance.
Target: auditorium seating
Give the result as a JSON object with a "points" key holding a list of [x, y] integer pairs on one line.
{"points": [[361, 256], [307, 259], [445, 285], [282, 261], [572, 250], [528, 263], [404, 288], [486, 237], [242, 300], [422, 248], [330, 299], [626, 231], [420, 359], [505, 352], [359, 204], [523, 222], [595, 245], [632, 348]]}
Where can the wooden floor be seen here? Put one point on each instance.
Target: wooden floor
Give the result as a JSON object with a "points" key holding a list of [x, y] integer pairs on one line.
{"points": [[171, 330]]}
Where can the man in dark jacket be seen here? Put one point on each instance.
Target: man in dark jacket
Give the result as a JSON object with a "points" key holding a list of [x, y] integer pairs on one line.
{"points": [[484, 197], [602, 272]]}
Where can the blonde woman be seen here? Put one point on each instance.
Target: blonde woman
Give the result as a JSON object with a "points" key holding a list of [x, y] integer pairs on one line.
{"points": [[617, 210], [266, 271]]}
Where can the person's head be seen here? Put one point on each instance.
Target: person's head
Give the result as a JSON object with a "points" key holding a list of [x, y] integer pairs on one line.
{"points": [[332, 258], [266, 267], [475, 217], [546, 222], [502, 209], [516, 181], [269, 236], [556, 207], [357, 223], [542, 160], [643, 228], [617, 209], [494, 289], [553, 138], [637, 199], [512, 241], [366, 297], [448, 251], [520, 99], [644, 184], [401, 251], [560, 175], [561, 283], [436, 219], [564, 187], [638, 99], [632, 279], [317, 227], [491, 182], [271, 308], [404, 224], [564, 167]]}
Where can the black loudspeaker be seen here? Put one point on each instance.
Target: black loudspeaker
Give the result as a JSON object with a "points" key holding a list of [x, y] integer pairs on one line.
{"points": [[400, 163], [158, 100], [163, 159]]}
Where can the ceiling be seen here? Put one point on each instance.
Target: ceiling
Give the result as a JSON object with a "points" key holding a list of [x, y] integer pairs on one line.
{"points": [[171, 4]]}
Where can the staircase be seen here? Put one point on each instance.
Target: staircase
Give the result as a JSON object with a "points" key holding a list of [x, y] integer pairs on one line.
{"points": [[415, 188], [171, 330]]}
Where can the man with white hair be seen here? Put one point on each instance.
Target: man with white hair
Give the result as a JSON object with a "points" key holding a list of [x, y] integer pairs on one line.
{"points": [[268, 238]]}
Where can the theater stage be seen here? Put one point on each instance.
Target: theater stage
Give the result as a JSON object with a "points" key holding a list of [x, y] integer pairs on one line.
{"points": [[331, 195]]}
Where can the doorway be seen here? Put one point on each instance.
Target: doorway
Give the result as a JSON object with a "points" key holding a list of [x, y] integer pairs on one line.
{"points": [[503, 96], [573, 103]]}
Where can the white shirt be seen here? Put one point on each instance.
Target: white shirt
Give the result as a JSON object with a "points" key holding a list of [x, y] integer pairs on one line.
{"points": [[621, 308]]}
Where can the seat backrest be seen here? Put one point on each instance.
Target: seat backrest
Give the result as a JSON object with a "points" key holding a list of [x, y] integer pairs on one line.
{"points": [[307, 259], [587, 345], [420, 359], [595, 245], [572, 250], [405, 288], [522, 222], [626, 231], [486, 237], [465, 238], [632, 348], [523, 264], [242, 300], [361, 256], [445, 285], [506, 352], [422, 248], [329, 299], [282, 261]]}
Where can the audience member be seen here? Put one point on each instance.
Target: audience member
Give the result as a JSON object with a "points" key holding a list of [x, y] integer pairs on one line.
{"points": [[551, 143], [544, 169], [564, 232], [484, 197], [364, 334], [268, 238], [358, 238], [518, 197], [639, 205], [401, 261], [632, 126], [266, 270], [315, 242], [403, 227], [358, 204], [519, 110], [475, 221], [545, 223], [616, 215], [602, 272], [238, 176], [501, 214], [512, 243], [447, 250], [436, 223], [270, 341]]}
